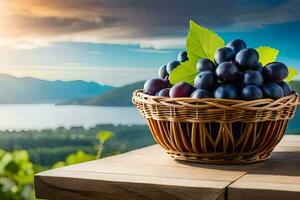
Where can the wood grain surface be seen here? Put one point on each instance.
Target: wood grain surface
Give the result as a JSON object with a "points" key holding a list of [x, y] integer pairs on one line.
{"points": [[149, 173], [276, 179]]}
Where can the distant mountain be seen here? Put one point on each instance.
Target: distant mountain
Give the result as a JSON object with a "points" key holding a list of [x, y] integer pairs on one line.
{"points": [[32, 90], [117, 97]]}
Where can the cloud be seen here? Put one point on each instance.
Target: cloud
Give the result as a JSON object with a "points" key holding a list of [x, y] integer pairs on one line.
{"points": [[148, 23], [147, 50]]}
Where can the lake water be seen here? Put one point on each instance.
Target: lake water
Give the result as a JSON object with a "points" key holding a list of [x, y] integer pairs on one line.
{"points": [[39, 116]]}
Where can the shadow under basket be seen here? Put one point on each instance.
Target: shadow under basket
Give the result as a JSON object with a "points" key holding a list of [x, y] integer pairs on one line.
{"points": [[217, 131]]}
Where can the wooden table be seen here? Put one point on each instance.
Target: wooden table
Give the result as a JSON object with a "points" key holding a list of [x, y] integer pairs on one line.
{"points": [[149, 173]]}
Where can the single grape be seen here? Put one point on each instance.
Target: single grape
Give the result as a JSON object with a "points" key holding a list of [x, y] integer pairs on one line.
{"points": [[201, 93], [182, 89], [226, 91], [164, 93], [236, 45], [287, 90], [206, 80], [272, 90], [182, 56], [162, 72], [251, 92], [224, 54], [247, 58], [154, 85], [275, 72], [253, 78], [205, 64], [227, 72], [172, 65]]}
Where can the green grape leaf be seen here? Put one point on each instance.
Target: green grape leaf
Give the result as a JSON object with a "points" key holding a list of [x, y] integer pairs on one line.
{"points": [[292, 74], [202, 42], [186, 72], [267, 54]]}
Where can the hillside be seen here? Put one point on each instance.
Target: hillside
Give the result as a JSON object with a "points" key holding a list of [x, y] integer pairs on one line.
{"points": [[32, 90], [295, 85], [117, 97]]}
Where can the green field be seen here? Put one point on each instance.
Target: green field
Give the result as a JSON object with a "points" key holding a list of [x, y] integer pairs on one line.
{"points": [[48, 146]]}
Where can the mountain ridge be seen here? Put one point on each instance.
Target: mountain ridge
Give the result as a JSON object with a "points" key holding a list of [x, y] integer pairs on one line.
{"points": [[120, 96], [15, 90], [33, 90]]}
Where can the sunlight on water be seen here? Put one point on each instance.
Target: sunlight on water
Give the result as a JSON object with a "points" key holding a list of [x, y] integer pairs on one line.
{"points": [[39, 116]]}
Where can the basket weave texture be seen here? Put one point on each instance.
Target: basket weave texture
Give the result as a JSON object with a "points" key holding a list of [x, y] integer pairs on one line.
{"points": [[217, 131]]}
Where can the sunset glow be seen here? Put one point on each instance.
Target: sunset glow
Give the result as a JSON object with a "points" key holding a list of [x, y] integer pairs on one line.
{"points": [[40, 38]]}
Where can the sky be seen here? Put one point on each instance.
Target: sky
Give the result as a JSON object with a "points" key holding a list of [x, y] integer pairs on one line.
{"points": [[117, 42]]}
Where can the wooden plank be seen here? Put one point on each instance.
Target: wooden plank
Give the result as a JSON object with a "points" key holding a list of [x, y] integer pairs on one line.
{"points": [[254, 186], [261, 194], [87, 186], [277, 178], [184, 172], [149, 173]]}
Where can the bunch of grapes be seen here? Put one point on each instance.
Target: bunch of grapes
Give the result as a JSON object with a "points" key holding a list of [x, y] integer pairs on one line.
{"points": [[235, 73]]}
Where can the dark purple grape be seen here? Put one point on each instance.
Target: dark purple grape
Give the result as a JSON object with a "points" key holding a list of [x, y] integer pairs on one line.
{"points": [[239, 82], [224, 54], [272, 90], [162, 72], [206, 80], [253, 78], [226, 91], [164, 93], [201, 93], [247, 58], [258, 68], [172, 65], [205, 64], [182, 56], [236, 45], [275, 72], [287, 90], [227, 72], [154, 85], [251, 92], [182, 89]]}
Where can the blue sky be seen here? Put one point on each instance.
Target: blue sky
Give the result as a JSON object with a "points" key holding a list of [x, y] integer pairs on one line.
{"points": [[118, 43]]}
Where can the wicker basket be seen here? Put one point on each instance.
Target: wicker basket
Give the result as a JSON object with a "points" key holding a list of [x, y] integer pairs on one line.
{"points": [[217, 131]]}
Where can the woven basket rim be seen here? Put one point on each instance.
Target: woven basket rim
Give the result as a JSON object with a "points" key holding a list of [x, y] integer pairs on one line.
{"points": [[267, 100], [227, 104]]}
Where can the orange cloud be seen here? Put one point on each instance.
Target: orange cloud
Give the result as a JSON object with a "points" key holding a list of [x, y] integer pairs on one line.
{"points": [[148, 22]]}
